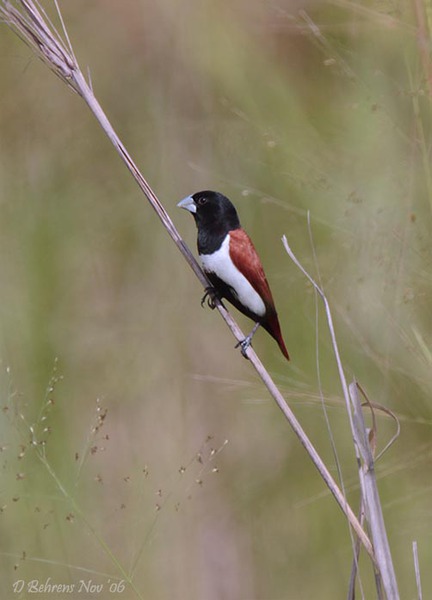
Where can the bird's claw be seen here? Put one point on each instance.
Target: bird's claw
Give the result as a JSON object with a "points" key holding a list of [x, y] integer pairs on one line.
{"points": [[244, 345], [210, 295]]}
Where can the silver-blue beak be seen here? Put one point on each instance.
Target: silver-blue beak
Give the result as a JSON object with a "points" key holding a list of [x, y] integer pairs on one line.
{"points": [[188, 204]]}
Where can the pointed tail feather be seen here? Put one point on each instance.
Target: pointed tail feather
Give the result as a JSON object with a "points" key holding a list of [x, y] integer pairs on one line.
{"points": [[273, 327]]}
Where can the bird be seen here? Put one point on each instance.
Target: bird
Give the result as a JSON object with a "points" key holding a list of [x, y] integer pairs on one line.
{"points": [[232, 265]]}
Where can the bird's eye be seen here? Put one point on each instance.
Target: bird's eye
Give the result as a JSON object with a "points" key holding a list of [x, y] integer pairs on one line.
{"points": [[202, 201]]}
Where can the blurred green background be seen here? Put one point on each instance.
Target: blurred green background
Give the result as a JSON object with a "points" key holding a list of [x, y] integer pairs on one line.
{"points": [[134, 438]]}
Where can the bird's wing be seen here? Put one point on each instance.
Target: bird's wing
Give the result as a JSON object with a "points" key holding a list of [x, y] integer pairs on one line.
{"points": [[247, 261]]}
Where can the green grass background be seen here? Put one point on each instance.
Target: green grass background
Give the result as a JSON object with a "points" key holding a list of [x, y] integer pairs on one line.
{"points": [[105, 352]]}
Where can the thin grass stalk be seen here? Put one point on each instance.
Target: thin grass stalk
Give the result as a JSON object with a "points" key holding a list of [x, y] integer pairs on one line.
{"points": [[417, 571], [355, 560], [124, 573], [40, 451], [34, 29], [356, 545]]}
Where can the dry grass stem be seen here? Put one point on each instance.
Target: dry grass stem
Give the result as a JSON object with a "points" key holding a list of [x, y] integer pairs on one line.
{"points": [[363, 451], [417, 571], [370, 497], [30, 23], [355, 560]]}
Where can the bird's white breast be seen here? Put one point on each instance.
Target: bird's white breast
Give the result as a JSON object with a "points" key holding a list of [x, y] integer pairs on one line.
{"points": [[220, 264]]}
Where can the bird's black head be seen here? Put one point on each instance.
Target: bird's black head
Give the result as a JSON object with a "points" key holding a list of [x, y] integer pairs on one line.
{"points": [[212, 212]]}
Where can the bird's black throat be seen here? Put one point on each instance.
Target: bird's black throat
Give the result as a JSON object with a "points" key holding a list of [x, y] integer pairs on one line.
{"points": [[210, 240]]}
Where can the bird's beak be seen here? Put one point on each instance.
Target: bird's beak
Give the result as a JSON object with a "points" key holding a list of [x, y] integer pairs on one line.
{"points": [[188, 203]]}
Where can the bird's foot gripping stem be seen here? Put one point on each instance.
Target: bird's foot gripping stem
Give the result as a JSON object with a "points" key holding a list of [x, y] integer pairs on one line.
{"points": [[210, 295], [244, 344]]}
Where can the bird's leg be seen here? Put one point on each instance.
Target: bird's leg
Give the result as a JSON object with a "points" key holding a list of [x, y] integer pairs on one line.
{"points": [[244, 344], [210, 295]]}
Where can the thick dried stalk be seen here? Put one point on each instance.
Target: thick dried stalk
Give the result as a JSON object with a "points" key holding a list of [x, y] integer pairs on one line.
{"points": [[370, 497]]}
